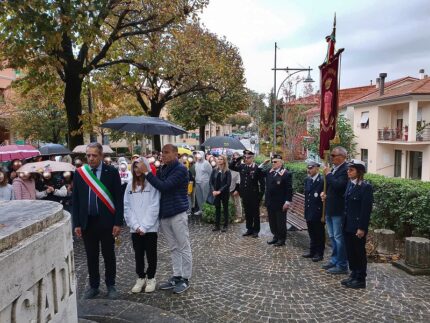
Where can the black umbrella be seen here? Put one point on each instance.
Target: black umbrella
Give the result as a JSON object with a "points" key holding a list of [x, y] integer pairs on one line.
{"points": [[144, 125], [223, 142], [54, 149]]}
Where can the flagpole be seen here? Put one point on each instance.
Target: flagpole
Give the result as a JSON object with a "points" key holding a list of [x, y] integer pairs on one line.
{"points": [[326, 153]]}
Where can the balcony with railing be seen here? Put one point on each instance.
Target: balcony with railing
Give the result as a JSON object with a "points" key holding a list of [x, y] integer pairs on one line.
{"points": [[401, 135], [423, 135], [392, 135]]}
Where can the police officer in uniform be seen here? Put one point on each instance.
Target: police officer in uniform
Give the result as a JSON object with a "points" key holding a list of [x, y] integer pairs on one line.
{"points": [[251, 190], [314, 185], [358, 207], [279, 192]]}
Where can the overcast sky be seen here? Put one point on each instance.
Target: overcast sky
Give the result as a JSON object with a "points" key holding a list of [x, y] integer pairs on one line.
{"points": [[391, 36]]}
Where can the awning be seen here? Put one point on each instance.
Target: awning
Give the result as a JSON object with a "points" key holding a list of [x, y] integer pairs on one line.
{"points": [[364, 117]]}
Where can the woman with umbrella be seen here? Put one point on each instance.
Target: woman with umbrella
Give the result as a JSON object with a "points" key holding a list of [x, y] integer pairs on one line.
{"points": [[14, 165], [24, 187]]}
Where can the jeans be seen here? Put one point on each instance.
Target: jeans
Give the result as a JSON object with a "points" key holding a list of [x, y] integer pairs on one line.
{"points": [[175, 230], [335, 232]]}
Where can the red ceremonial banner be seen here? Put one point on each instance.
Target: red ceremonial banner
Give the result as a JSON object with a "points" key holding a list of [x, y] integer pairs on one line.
{"points": [[329, 101]]}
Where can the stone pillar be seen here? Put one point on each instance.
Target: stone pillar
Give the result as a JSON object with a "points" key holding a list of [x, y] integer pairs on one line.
{"points": [[417, 256], [385, 241], [412, 121], [36, 263], [417, 252]]}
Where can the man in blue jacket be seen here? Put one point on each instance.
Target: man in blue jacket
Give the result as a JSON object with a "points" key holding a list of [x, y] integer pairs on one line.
{"points": [[172, 182], [337, 179]]}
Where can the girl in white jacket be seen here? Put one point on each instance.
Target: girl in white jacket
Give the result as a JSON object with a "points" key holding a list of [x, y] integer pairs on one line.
{"points": [[141, 209]]}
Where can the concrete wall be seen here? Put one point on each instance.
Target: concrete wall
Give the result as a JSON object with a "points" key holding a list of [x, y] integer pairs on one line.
{"points": [[36, 263]]}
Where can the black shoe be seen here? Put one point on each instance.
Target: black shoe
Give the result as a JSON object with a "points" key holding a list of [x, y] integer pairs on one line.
{"points": [[91, 293], [328, 265], [224, 229], [346, 281], [317, 258], [111, 292], [215, 229], [308, 255], [247, 233], [280, 243], [355, 284], [255, 235], [273, 241]]}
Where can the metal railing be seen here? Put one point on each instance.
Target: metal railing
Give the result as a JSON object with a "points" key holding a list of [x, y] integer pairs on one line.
{"points": [[391, 135], [423, 135]]}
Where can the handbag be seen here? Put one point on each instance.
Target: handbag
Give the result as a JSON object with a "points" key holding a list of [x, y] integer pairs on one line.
{"points": [[210, 199]]}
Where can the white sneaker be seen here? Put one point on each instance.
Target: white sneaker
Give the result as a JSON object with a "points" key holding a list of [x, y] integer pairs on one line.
{"points": [[137, 288], [150, 285]]}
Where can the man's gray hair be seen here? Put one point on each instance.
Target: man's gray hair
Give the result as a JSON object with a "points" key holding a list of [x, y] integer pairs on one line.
{"points": [[341, 150], [96, 145]]}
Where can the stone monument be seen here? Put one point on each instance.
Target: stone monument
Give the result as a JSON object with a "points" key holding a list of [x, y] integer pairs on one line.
{"points": [[417, 256], [385, 241], [36, 263]]}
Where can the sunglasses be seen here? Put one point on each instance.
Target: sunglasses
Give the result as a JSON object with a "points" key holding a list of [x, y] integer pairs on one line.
{"points": [[248, 157], [276, 161]]}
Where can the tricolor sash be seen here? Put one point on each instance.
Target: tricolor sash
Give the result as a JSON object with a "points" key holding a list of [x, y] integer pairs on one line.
{"points": [[97, 186]]}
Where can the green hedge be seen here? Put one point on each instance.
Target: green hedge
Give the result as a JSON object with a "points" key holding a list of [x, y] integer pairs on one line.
{"points": [[402, 205], [208, 215]]}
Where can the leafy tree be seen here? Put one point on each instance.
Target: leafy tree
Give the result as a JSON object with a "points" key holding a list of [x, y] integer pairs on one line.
{"points": [[226, 94], [184, 60], [39, 112], [240, 120], [294, 128], [76, 38], [345, 132]]}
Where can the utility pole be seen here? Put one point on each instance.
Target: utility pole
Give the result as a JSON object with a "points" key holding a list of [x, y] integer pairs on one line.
{"points": [[274, 104]]}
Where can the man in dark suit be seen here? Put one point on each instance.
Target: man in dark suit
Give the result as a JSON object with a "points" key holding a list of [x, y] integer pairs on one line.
{"points": [[314, 186], [337, 180], [98, 211], [251, 190], [279, 192]]}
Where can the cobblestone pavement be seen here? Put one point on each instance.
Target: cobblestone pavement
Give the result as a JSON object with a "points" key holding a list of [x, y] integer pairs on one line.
{"points": [[238, 279]]}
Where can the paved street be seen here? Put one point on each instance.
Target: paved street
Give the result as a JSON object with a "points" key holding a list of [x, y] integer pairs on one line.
{"points": [[240, 279]]}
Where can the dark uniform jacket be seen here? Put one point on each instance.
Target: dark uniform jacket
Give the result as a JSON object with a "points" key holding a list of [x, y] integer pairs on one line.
{"points": [[336, 185], [279, 188], [110, 178], [313, 202], [252, 184], [358, 206]]}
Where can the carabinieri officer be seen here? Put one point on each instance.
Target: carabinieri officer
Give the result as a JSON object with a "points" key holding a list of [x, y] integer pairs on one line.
{"points": [[279, 192], [358, 207], [314, 185], [251, 190]]}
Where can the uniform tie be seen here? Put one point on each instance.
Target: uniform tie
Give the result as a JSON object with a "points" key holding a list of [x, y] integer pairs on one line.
{"points": [[93, 210]]}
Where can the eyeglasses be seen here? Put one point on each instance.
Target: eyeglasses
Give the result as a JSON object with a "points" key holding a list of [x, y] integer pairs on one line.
{"points": [[248, 157], [276, 161]]}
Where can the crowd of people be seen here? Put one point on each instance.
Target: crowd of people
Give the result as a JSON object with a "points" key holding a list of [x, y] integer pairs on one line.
{"points": [[161, 190]]}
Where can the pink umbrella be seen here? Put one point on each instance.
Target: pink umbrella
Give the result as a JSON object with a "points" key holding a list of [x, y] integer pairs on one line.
{"points": [[10, 152]]}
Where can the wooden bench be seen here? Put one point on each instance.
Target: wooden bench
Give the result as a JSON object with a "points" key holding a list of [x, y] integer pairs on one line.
{"points": [[296, 212]]}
